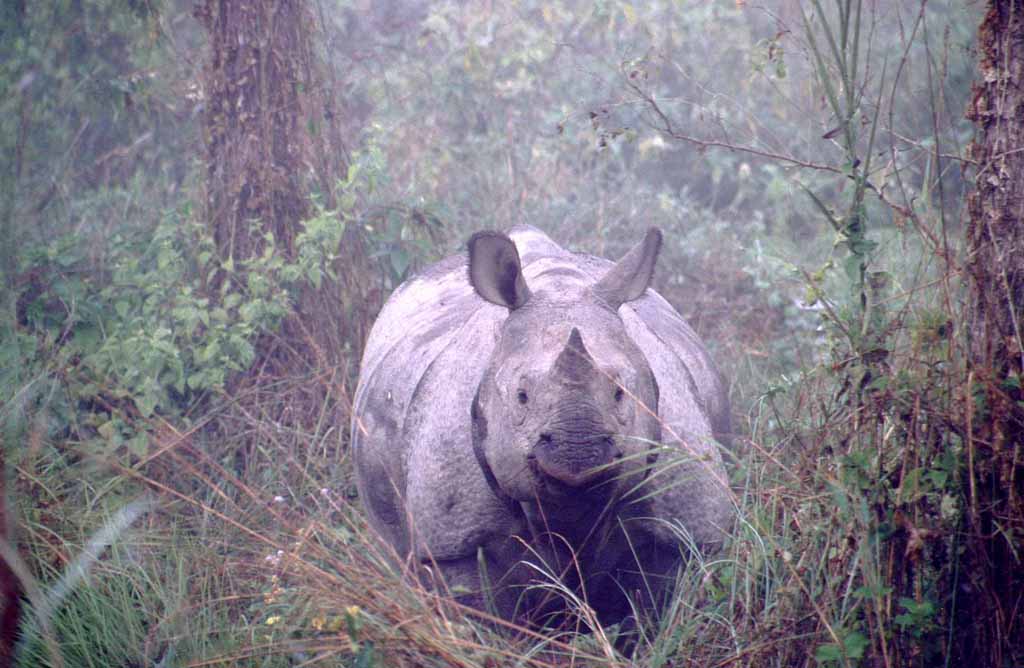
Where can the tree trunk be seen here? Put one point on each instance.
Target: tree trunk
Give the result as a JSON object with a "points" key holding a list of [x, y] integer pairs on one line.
{"points": [[10, 586], [272, 139], [990, 615], [255, 107]]}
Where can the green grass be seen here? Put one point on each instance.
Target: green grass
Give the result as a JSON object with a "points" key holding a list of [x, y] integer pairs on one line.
{"points": [[256, 553], [848, 475], [852, 469]]}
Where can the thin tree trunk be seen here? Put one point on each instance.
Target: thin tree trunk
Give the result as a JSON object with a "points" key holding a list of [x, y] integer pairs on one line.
{"points": [[992, 614], [10, 586]]}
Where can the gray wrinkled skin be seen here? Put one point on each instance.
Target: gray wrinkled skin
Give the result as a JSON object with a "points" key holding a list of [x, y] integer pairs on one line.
{"points": [[509, 412]]}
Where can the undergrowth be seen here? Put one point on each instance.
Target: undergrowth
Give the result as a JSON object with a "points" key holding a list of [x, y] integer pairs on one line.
{"points": [[127, 384], [254, 551]]}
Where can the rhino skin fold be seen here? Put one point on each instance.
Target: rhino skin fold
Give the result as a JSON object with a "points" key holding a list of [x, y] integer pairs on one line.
{"points": [[521, 404]]}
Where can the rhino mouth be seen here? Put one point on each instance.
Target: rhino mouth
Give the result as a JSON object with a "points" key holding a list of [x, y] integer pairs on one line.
{"points": [[571, 469]]}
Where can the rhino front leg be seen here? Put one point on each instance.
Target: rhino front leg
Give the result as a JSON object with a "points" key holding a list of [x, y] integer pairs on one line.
{"points": [[480, 581], [630, 589]]}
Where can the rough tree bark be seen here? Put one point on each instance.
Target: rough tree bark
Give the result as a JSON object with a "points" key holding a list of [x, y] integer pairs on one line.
{"points": [[10, 587], [253, 133], [991, 617], [272, 138]]}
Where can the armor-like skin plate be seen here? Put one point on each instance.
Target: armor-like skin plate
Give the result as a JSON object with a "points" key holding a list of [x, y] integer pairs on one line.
{"points": [[444, 367]]}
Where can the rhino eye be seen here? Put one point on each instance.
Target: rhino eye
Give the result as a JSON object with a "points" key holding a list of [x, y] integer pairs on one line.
{"points": [[619, 394], [521, 396]]}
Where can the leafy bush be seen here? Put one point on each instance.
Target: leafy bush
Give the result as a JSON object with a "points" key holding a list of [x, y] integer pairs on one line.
{"points": [[146, 335]]}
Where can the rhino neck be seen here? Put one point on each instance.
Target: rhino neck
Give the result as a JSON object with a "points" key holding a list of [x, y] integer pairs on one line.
{"points": [[581, 521]]}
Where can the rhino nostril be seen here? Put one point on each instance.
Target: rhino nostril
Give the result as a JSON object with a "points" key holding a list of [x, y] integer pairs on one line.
{"points": [[546, 438]]}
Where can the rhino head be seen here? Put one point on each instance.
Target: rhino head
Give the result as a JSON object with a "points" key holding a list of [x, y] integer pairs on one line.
{"points": [[566, 411]]}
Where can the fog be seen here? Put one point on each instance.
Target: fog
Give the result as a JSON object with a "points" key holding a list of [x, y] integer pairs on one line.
{"points": [[204, 204]]}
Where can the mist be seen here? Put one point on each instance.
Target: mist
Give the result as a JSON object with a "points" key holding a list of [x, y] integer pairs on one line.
{"points": [[205, 205]]}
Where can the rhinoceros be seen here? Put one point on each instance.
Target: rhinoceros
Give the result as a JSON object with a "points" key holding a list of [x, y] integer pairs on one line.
{"points": [[528, 415]]}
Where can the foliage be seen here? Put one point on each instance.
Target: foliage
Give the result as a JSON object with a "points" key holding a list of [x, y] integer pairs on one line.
{"points": [[146, 338], [802, 159], [91, 121]]}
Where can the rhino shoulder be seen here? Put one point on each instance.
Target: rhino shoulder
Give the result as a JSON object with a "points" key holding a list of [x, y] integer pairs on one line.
{"points": [[451, 507], [411, 442], [676, 354]]}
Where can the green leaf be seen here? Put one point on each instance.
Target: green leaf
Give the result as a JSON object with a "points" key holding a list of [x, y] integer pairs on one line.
{"points": [[353, 172], [862, 246], [244, 351], [852, 266], [139, 444], [855, 644], [821, 207], [828, 652], [399, 261], [198, 381], [314, 276], [110, 431], [949, 508], [938, 478], [911, 485], [210, 351], [839, 496], [366, 657], [146, 404], [88, 337], [879, 384]]}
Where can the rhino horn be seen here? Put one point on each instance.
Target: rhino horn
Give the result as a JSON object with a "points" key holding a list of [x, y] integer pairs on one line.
{"points": [[574, 363], [631, 275], [495, 271]]}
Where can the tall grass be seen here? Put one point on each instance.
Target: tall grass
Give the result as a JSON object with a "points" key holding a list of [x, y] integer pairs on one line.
{"points": [[264, 558], [851, 474]]}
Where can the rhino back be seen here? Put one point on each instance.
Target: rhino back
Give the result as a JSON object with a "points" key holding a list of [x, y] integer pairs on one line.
{"points": [[434, 302]]}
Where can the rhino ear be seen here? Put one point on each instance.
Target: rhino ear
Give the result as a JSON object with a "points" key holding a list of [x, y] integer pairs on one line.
{"points": [[631, 275], [494, 270]]}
